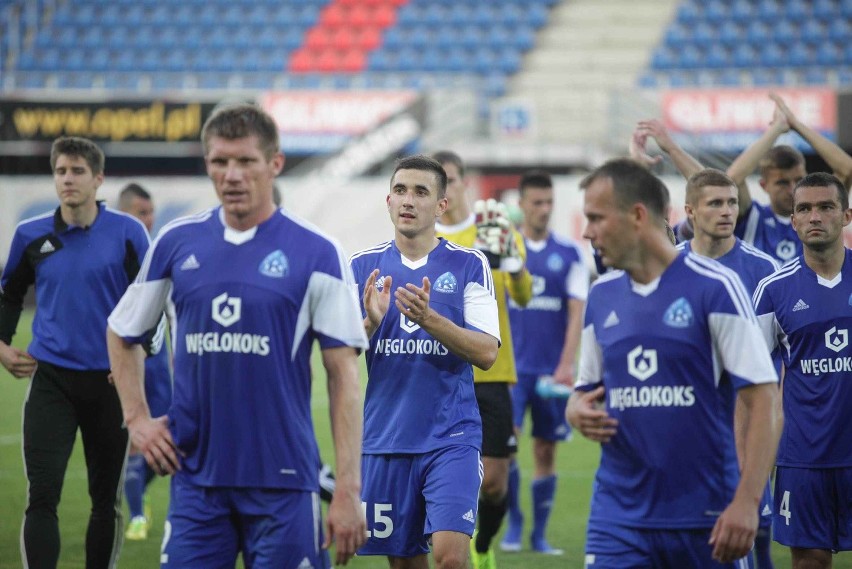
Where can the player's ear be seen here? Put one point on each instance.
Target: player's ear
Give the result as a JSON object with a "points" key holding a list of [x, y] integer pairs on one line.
{"points": [[441, 207]]}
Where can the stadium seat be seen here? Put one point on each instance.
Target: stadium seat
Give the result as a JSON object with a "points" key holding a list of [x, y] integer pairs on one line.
{"points": [[742, 12], [704, 35], [758, 33], [826, 10], [677, 35], [744, 55], [717, 57], [799, 55], [731, 35], [716, 12], [769, 11], [767, 77], [689, 13], [772, 55], [828, 54]]}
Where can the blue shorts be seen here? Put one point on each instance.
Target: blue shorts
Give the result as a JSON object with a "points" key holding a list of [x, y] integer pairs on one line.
{"points": [[813, 508], [408, 497], [765, 508], [548, 415], [207, 527], [609, 546]]}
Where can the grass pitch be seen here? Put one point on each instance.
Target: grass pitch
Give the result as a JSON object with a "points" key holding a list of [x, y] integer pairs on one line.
{"points": [[576, 463]]}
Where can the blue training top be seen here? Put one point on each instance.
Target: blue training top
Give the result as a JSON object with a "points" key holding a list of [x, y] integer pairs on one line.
{"points": [[80, 274]]}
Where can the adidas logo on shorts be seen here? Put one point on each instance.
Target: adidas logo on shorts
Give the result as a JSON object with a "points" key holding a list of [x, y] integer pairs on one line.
{"points": [[469, 516], [305, 564]]}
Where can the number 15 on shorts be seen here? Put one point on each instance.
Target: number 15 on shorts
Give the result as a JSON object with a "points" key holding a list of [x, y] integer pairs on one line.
{"points": [[381, 523]]}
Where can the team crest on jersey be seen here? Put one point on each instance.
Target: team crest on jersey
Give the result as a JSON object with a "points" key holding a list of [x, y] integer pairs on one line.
{"points": [[641, 363], [275, 265], [836, 340], [555, 263], [679, 314], [785, 250], [227, 310], [380, 284], [446, 283]]}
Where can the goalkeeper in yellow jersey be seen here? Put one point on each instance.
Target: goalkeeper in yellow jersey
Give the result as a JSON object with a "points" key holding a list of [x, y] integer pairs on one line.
{"points": [[486, 226]]}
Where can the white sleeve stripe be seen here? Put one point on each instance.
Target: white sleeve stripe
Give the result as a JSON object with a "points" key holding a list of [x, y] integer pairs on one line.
{"points": [[140, 308], [480, 309], [741, 347], [782, 273], [735, 288], [590, 370], [330, 307]]}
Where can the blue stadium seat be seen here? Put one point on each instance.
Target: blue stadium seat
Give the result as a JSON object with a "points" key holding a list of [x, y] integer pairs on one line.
{"points": [[716, 12], [690, 57], [840, 30], [457, 61], [509, 61], [717, 57], [742, 12], [730, 78], [704, 34], [758, 33], [537, 15], [731, 35], [663, 59], [523, 38], [828, 54], [484, 61], [677, 35], [772, 55], [813, 32], [799, 55], [460, 14], [744, 55], [844, 75], [797, 10], [499, 37], [689, 13], [769, 11], [112, 15], [787, 30], [827, 10]]}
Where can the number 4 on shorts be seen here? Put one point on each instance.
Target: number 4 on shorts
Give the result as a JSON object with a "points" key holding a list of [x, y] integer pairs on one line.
{"points": [[785, 506]]}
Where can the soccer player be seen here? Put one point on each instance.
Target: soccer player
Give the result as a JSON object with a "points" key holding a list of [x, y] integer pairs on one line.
{"points": [[458, 224], [546, 335], [81, 258], [136, 201], [670, 341], [768, 227], [252, 287], [806, 309], [711, 208], [422, 430]]}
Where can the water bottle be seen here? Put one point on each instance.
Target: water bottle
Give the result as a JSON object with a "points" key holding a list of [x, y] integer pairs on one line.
{"points": [[549, 389]]}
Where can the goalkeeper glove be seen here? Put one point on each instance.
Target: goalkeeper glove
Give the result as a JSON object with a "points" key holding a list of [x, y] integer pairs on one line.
{"points": [[494, 236]]}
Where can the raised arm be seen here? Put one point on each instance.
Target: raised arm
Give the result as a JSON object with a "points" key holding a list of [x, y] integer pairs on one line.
{"points": [[478, 348], [747, 162], [346, 523], [834, 156], [683, 161]]}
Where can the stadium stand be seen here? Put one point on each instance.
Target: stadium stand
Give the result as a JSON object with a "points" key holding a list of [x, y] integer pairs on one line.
{"points": [[174, 44], [754, 42]]}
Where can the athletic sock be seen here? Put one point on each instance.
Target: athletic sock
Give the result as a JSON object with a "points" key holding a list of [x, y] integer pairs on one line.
{"points": [[515, 515], [543, 490], [134, 484], [490, 518]]}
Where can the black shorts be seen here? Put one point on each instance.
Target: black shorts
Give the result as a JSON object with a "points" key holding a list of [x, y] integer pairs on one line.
{"points": [[498, 429]]}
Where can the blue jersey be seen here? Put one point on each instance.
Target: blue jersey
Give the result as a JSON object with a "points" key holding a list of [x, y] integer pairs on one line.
{"points": [[750, 263], [670, 354], [810, 318], [420, 395], [158, 374], [768, 232], [79, 276], [538, 330], [248, 307]]}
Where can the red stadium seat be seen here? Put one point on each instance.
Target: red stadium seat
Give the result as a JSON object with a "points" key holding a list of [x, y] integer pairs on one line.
{"points": [[319, 38], [302, 61], [353, 61]]}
